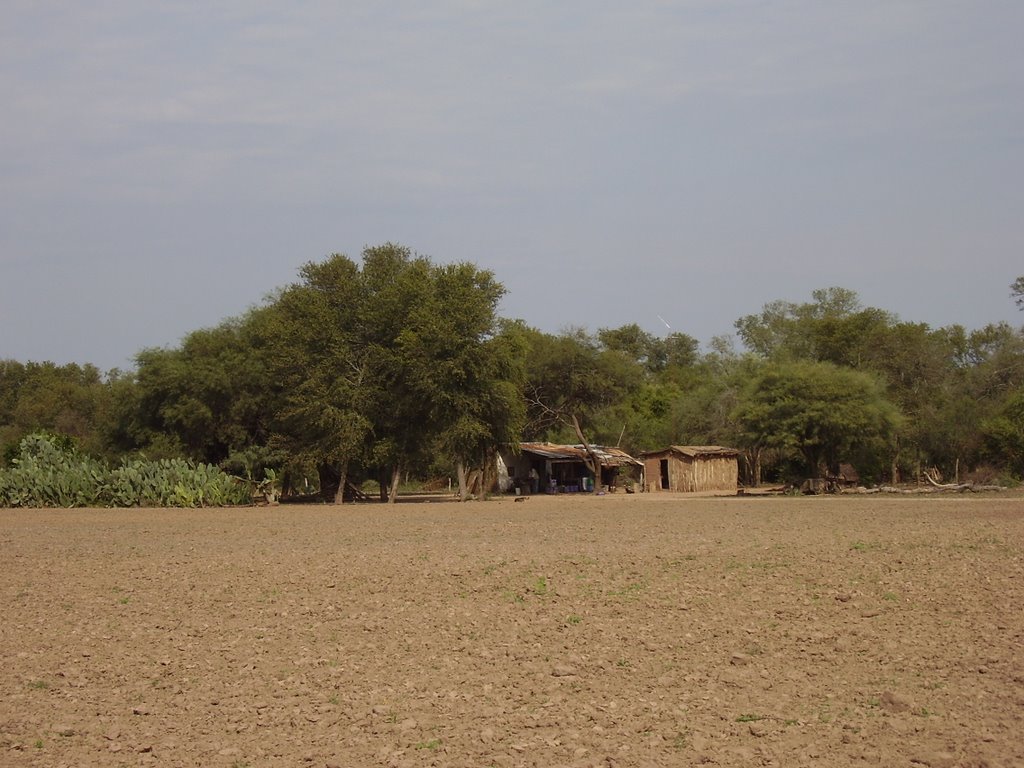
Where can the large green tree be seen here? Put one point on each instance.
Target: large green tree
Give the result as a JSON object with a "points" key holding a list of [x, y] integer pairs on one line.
{"points": [[572, 384], [833, 328], [70, 399], [321, 366], [381, 363], [209, 399], [656, 372], [823, 412], [648, 351], [1004, 434], [944, 381], [919, 367]]}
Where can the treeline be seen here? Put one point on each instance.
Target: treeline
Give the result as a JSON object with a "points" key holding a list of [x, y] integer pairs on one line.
{"points": [[395, 366]]}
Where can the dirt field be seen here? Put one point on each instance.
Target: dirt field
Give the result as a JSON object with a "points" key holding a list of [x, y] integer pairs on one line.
{"points": [[599, 631]]}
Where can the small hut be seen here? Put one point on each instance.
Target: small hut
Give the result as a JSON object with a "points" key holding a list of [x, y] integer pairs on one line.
{"points": [[553, 468], [691, 468]]}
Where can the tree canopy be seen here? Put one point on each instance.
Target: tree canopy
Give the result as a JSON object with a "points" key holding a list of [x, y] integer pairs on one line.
{"points": [[824, 412], [382, 362], [392, 364]]}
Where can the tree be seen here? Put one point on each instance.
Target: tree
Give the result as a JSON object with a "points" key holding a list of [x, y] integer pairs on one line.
{"points": [[681, 350], [381, 363], [833, 328], [823, 412], [651, 353], [570, 379], [1004, 434], [633, 342], [918, 365], [487, 409], [322, 368], [1017, 291], [456, 357], [208, 398], [67, 399], [659, 369], [703, 413]]}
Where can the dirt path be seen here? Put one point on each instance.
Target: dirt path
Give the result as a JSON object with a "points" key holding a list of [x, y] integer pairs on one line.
{"points": [[609, 631]]}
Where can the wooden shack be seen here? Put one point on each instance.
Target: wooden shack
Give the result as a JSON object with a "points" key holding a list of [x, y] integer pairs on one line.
{"points": [[554, 468], [691, 468]]}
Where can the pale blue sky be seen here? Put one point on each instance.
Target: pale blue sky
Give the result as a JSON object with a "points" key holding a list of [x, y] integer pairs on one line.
{"points": [[164, 165]]}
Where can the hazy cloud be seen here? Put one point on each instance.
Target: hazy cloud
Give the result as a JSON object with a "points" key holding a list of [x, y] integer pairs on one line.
{"points": [[163, 165]]}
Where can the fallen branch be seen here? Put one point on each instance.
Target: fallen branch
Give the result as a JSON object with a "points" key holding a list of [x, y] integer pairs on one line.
{"points": [[944, 486], [960, 487]]}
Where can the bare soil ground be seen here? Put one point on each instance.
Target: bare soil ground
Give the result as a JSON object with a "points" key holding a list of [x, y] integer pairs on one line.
{"points": [[591, 631]]}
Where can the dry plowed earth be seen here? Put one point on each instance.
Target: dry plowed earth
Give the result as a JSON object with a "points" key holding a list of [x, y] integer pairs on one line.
{"points": [[569, 631]]}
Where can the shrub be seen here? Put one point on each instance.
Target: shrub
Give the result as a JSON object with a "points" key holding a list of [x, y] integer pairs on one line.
{"points": [[50, 472]]}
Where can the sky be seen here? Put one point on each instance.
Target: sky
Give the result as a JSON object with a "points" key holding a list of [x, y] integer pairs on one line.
{"points": [[165, 166]]}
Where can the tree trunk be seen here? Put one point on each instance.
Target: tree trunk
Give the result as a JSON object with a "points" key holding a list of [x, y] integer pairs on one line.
{"points": [[594, 463], [396, 476], [474, 482], [812, 461], [339, 495], [328, 475], [757, 467], [460, 471], [489, 473]]}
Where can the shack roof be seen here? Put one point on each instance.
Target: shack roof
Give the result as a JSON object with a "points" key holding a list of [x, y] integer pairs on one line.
{"points": [[696, 451], [610, 457]]}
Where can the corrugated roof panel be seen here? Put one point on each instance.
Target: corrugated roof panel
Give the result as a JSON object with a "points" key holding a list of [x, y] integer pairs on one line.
{"points": [[612, 457], [694, 451], [704, 450]]}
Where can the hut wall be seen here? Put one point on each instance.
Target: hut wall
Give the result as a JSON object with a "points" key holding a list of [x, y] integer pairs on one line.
{"points": [[710, 473], [652, 470], [518, 467], [691, 474]]}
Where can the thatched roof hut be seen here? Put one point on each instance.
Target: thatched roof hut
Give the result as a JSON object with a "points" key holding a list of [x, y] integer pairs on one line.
{"points": [[561, 468], [692, 468]]}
